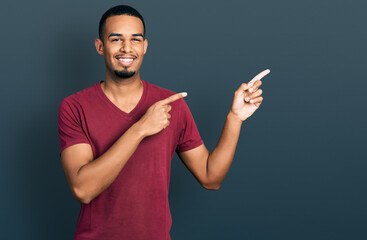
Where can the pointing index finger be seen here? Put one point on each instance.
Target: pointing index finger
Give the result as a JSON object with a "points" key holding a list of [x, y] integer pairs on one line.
{"points": [[259, 76], [173, 98]]}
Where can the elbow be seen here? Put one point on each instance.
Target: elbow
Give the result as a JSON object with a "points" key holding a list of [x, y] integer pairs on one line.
{"points": [[82, 196], [84, 200], [212, 186]]}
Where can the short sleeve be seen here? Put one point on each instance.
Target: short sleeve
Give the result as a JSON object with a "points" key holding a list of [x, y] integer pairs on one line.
{"points": [[69, 126], [189, 136]]}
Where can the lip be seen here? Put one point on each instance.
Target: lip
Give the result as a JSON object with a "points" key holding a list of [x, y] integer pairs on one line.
{"points": [[125, 60]]}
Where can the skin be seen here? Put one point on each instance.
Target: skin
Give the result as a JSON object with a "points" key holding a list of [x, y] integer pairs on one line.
{"points": [[124, 93], [88, 177]]}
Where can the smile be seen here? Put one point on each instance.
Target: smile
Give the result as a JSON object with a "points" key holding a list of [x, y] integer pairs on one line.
{"points": [[125, 61]]}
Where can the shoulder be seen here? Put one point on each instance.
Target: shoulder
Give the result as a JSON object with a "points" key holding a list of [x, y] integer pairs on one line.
{"points": [[157, 93], [80, 97], [75, 106]]}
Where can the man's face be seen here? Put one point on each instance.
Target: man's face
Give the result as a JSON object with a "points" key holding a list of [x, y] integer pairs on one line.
{"points": [[123, 45]]}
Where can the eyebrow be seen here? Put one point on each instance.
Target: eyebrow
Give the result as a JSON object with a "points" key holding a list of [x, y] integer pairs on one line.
{"points": [[120, 35]]}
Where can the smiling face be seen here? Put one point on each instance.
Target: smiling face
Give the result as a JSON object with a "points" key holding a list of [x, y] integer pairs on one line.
{"points": [[123, 46]]}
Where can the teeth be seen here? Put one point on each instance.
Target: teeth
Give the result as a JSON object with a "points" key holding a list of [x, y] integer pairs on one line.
{"points": [[126, 59]]}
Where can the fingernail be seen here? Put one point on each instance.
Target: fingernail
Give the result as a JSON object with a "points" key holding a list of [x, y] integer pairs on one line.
{"points": [[251, 84], [184, 94], [251, 89], [252, 101], [247, 99]]}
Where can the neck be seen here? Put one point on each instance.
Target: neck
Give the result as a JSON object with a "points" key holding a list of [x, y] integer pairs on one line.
{"points": [[122, 88]]}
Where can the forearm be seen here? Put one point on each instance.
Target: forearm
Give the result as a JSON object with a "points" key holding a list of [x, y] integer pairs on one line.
{"points": [[93, 178], [220, 159]]}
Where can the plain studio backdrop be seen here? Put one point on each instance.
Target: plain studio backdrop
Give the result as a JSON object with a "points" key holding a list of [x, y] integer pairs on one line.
{"points": [[300, 167]]}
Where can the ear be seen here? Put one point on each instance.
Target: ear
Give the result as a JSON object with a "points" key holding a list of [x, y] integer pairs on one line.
{"points": [[145, 45], [99, 46]]}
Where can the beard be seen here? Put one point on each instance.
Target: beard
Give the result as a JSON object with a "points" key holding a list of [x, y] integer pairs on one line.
{"points": [[124, 74]]}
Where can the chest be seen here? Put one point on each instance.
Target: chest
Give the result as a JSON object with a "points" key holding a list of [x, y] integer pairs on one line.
{"points": [[104, 127]]}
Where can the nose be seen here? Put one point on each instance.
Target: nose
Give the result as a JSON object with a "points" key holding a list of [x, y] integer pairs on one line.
{"points": [[125, 46]]}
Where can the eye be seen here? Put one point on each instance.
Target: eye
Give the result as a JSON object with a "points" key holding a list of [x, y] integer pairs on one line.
{"points": [[115, 40], [136, 39]]}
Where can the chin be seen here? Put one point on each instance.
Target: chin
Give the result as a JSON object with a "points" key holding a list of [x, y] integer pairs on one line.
{"points": [[124, 74]]}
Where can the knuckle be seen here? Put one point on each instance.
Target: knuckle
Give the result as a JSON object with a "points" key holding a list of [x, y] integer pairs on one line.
{"points": [[155, 105]]}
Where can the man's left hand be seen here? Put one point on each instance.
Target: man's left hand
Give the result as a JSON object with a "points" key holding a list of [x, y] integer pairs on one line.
{"points": [[247, 98]]}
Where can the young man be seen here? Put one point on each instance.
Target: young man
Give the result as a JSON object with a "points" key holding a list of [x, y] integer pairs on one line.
{"points": [[118, 137]]}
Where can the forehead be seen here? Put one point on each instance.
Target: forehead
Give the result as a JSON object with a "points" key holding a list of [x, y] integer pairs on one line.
{"points": [[124, 24]]}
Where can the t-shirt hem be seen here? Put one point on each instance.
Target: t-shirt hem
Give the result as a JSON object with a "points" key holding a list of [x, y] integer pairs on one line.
{"points": [[192, 146], [71, 144]]}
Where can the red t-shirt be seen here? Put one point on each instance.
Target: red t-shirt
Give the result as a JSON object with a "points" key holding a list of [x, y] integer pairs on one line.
{"points": [[135, 206]]}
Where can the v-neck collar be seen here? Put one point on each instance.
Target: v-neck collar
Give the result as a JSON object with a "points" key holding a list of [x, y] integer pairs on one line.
{"points": [[117, 109]]}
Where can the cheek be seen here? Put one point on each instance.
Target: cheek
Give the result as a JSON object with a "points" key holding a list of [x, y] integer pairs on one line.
{"points": [[139, 49], [112, 48]]}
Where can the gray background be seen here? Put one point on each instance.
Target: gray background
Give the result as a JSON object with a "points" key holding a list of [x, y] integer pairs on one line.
{"points": [[300, 166]]}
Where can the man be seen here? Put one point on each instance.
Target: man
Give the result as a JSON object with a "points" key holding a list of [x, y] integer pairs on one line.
{"points": [[119, 135]]}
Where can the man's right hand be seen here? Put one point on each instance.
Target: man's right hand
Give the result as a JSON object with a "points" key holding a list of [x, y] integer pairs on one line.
{"points": [[157, 116]]}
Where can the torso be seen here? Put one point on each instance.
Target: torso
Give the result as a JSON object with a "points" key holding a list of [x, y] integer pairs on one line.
{"points": [[125, 103]]}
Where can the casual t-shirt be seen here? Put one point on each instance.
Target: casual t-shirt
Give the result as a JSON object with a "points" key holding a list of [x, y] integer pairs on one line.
{"points": [[135, 206]]}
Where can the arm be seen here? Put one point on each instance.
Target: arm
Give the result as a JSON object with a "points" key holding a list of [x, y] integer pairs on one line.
{"points": [[88, 178], [210, 169]]}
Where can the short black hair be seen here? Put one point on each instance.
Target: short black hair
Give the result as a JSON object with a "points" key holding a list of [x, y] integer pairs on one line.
{"points": [[118, 10]]}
